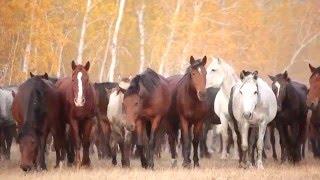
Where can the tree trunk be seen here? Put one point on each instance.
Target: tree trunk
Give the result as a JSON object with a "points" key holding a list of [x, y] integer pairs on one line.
{"points": [[114, 43], [106, 52], [193, 27], [13, 58], [27, 52], [60, 62], [171, 36], [140, 15], [83, 32]]}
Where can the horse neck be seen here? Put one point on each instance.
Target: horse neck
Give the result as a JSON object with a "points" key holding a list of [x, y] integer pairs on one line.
{"points": [[188, 88], [229, 81]]}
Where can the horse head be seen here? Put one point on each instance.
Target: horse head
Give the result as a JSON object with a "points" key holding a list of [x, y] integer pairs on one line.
{"points": [[198, 76], [314, 91], [80, 83], [279, 87], [249, 92]]}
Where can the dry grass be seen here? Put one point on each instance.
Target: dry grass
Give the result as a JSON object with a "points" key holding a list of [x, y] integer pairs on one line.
{"points": [[210, 169]]}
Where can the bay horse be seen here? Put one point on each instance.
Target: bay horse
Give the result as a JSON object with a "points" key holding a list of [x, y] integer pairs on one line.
{"points": [[313, 104], [252, 104], [189, 106], [36, 109], [145, 104], [102, 127], [79, 105], [291, 116]]}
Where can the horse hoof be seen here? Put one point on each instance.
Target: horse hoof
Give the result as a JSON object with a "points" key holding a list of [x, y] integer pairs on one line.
{"points": [[114, 162], [259, 165], [223, 156], [186, 165], [196, 165], [174, 163], [144, 164]]}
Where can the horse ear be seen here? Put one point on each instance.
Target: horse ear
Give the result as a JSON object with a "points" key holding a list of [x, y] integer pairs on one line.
{"points": [[46, 76], [312, 69], [272, 78], [13, 94], [73, 65], [204, 60], [242, 74], [255, 75], [87, 66], [31, 74], [192, 60]]}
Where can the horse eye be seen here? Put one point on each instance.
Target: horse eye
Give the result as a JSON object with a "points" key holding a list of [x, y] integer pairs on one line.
{"points": [[213, 70], [256, 92], [241, 92]]}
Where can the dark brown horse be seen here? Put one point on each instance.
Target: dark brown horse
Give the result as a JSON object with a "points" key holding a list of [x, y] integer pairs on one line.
{"points": [[291, 117], [102, 127], [79, 105], [36, 108], [146, 103], [189, 106], [313, 104]]}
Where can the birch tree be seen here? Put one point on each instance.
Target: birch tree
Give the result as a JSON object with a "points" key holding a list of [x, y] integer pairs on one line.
{"points": [[140, 17], [163, 59], [114, 44], [83, 32]]}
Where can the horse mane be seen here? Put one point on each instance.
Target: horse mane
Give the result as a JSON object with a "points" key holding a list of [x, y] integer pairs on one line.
{"points": [[228, 69], [149, 79]]}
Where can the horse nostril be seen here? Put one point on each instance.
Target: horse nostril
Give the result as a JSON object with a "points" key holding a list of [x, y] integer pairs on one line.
{"points": [[247, 115], [25, 168], [83, 100], [130, 127]]}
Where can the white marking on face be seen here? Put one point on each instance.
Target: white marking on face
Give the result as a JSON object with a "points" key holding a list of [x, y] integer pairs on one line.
{"points": [[199, 69], [79, 101], [277, 84]]}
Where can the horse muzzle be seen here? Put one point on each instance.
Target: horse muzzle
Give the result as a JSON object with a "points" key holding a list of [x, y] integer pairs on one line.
{"points": [[79, 102], [247, 115], [25, 168], [202, 95]]}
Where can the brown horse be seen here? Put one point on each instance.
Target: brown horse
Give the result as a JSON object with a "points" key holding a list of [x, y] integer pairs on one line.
{"points": [[146, 102], [189, 105], [79, 105], [314, 91], [36, 108], [313, 103]]}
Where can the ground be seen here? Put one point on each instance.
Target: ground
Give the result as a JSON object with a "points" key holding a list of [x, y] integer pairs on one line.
{"points": [[213, 168]]}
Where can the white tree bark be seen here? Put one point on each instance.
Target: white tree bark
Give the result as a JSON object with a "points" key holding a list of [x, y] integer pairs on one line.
{"points": [[114, 44], [300, 48], [60, 61], [140, 15], [83, 32], [27, 52], [13, 57], [171, 36], [106, 52], [186, 49]]}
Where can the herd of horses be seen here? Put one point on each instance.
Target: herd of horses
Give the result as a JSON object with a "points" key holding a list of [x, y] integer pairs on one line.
{"points": [[136, 116]]}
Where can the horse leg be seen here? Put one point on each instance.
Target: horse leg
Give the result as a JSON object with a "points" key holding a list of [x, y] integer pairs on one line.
{"points": [[262, 130], [272, 139], [74, 127], [152, 140], [244, 129], [186, 145], [9, 138], [86, 142], [140, 126], [42, 150], [224, 136], [197, 135], [283, 142], [235, 140], [203, 142]]}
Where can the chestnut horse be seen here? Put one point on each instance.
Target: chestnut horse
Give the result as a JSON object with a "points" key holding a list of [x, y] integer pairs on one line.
{"points": [[313, 104], [189, 106], [36, 108], [146, 102], [79, 105]]}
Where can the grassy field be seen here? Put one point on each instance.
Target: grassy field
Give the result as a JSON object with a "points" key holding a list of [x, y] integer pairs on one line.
{"points": [[213, 168]]}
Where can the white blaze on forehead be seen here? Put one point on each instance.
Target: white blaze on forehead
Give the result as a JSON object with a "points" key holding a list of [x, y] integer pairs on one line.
{"points": [[199, 69], [79, 99], [277, 84], [124, 85]]}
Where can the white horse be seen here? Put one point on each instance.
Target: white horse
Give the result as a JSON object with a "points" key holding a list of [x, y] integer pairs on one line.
{"points": [[254, 104], [119, 135], [221, 75]]}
